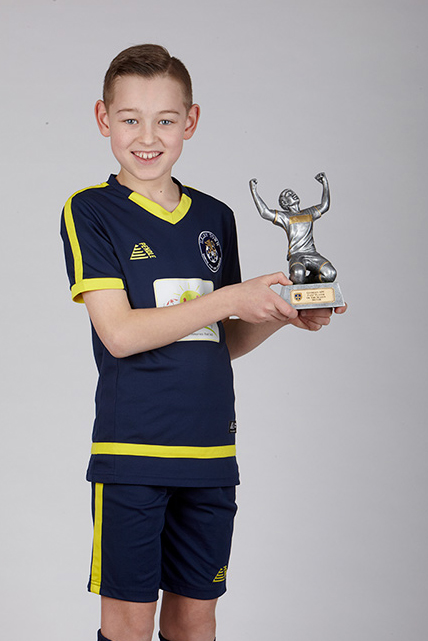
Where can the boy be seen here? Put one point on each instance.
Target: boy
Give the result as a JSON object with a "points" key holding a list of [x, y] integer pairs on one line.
{"points": [[163, 465]]}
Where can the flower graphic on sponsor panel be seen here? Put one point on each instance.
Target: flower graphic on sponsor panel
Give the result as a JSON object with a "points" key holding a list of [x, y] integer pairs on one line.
{"points": [[189, 295], [182, 297]]}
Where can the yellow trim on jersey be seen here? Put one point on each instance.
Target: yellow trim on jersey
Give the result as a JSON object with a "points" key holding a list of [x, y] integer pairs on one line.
{"points": [[93, 284], [75, 247], [172, 217], [164, 451], [302, 218], [96, 550]]}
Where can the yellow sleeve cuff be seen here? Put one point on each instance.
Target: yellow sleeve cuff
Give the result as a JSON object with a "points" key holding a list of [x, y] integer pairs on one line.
{"points": [[92, 284]]}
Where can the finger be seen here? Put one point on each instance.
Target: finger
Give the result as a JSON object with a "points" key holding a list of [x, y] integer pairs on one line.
{"points": [[280, 317], [283, 312], [285, 309], [318, 316], [284, 315], [310, 325], [278, 278], [313, 327], [322, 321], [316, 311], [341, 310]]}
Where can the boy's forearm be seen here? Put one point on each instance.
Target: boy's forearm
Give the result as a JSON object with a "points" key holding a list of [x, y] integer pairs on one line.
{"points": [[126, 331], [242, 337]]}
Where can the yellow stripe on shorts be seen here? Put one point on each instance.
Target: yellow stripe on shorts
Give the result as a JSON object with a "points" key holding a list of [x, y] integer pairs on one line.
{"points": [[96, 550]]}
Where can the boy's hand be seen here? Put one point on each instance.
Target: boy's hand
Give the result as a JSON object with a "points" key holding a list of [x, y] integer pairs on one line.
{"points": [[255, 302], [314, 319]]}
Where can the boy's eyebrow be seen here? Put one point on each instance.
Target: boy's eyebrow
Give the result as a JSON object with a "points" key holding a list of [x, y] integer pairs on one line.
{"points": [[133, 109]]}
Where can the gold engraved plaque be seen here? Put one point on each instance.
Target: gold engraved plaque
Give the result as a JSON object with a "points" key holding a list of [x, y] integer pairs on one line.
{"points": [[314, 295], [309, 296]]}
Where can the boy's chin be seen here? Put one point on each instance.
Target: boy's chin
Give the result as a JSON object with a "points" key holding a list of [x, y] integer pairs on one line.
{"points": [[143, 177]]}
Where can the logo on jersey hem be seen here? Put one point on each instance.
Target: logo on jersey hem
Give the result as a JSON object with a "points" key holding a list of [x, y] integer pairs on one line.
{"points": [[210, 249], [233, 426]]}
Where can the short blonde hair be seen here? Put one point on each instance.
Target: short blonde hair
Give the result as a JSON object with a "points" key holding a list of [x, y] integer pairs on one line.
{"points": [[148, 61]]}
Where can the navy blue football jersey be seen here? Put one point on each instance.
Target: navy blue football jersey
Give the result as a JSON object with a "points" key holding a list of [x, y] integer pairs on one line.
{"points": [[164, 416]]}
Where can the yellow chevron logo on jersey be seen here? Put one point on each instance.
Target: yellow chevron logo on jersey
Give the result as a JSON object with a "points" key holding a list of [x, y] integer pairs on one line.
{"points": [[221, 575], [142, 251]]}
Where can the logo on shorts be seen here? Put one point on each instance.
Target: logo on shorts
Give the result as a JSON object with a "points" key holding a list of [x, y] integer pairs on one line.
{"points": [[221, 575], [210, 249]]}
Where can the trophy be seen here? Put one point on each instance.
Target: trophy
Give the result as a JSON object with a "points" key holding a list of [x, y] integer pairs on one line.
{"points": [[312, 275]]}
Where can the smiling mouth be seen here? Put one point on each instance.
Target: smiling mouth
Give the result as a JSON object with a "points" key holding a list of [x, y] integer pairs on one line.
{"points": [[147, 155]]}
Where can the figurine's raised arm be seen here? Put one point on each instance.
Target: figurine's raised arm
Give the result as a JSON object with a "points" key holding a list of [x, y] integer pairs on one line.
{"points": [[263, 209], [325, 198]]}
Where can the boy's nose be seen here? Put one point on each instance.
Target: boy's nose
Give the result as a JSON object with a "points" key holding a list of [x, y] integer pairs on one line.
{"points": [[146, 135]]}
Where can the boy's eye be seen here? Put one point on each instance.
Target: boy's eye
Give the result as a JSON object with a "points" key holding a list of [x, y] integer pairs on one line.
{"points": [[165, 122], [130, 121]]}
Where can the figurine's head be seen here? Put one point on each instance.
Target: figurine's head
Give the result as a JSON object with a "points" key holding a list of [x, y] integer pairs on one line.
{"points": [[287, 198]]}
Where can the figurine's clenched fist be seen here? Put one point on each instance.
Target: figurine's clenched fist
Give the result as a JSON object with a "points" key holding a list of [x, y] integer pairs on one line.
{"points": [[320, 177]]}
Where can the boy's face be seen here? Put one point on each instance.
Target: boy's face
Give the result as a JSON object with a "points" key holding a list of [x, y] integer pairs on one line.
{"points": [[147, 123]]}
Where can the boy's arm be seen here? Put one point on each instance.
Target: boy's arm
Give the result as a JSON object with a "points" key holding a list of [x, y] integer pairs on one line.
{"points": [[262, 208], [126, 331], [242, 337]]}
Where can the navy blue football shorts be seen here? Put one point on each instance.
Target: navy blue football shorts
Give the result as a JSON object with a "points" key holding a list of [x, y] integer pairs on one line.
{"points": [[147, 538]]}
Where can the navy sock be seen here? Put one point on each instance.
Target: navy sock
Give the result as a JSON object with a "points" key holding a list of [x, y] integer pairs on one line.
{"points": [[101, 637]]}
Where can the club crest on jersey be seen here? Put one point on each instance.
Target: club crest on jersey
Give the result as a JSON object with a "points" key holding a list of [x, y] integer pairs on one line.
{"points": [[210, 249]]}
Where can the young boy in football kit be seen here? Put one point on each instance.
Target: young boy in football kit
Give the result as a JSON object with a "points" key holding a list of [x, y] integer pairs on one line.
{"points": [[157, 267]]}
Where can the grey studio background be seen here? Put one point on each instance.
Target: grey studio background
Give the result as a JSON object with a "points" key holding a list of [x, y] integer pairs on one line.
{"points": [[331, 537]]}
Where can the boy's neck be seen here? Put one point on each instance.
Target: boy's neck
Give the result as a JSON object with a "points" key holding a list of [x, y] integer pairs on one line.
{"points": [[165, 193]]}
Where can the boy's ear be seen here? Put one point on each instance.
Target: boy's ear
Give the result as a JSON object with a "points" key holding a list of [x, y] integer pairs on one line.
{"points": [[192, 121], [101, 117]]}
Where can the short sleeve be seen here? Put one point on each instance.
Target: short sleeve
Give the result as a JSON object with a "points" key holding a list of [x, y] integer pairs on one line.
{"points": [[281, 220], [90, 258], [312, 211]]}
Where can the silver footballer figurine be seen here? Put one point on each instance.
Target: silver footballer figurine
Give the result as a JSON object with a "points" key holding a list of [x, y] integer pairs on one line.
{"points": [[308, 270]]}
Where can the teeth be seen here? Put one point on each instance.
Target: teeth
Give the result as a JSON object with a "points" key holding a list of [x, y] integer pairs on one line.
{"points": [[147, 155]]}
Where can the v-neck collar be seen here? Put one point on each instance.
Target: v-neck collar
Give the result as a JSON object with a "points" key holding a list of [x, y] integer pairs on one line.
{"points": [[172, 217]]}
